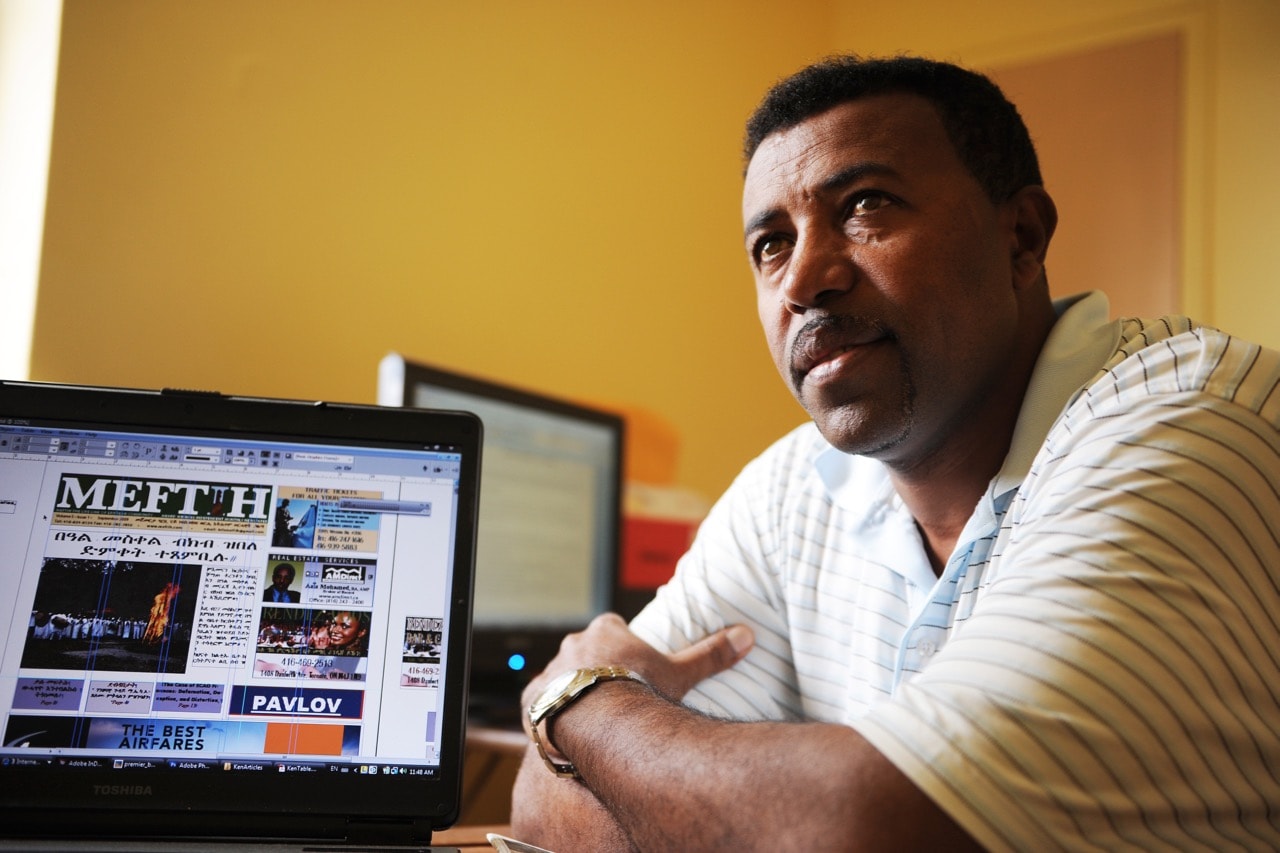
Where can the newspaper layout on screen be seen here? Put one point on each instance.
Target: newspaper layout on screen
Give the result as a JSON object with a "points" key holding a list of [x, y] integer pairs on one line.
{"points": [[219, 602]]}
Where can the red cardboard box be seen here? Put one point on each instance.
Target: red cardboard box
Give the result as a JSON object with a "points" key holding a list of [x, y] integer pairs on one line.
{"points": [[659, 524]]}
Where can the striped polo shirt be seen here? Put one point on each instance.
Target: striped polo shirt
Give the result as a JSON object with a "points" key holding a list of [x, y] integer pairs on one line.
{"points": [[1098, 665]]}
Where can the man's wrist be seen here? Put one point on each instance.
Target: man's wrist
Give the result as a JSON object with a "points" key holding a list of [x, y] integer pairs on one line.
{"points": [[590, 703], [561, 693]]}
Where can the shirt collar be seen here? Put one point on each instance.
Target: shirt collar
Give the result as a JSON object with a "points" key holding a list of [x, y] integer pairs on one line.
{"points": [[1079, 344]]}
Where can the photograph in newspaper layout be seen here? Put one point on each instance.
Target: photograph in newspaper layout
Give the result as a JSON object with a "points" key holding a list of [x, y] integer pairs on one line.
{"points": [[422, 638], [295, 523], [325, 519], [303, 642], [282, 580], [420, 656], [112, 615]]}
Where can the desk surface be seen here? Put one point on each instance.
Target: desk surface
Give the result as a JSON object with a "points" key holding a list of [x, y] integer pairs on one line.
{"points": [[470, 839]]}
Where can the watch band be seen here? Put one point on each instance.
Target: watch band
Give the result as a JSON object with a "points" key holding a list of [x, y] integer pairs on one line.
{"points": [[560, 693]]}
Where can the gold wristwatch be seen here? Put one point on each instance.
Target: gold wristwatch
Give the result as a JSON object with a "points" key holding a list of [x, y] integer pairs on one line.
{"points": [[560, 693]]}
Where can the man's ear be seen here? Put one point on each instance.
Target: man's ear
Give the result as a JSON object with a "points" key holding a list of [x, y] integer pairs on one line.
{"points": [[1035, 218]]}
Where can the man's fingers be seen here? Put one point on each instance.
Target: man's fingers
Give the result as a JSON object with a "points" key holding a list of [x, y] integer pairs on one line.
{"points": [[713, 654], [609, 620], [608, 640]]}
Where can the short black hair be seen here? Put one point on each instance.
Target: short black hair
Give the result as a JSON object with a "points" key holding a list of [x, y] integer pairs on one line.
{"points": [[982, 124]]}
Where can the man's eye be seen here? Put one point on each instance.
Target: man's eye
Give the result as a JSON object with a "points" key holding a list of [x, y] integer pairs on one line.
{"points": [[867, 202], [770, 247]]}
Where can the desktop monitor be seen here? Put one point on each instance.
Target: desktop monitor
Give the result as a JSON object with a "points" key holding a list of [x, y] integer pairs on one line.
{"points": [[550, 522]]}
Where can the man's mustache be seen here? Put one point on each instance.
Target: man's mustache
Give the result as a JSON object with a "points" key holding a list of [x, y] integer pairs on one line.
{"points": [[823, 336]]}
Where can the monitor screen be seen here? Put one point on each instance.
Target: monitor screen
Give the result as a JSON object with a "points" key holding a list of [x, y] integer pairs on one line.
{"points": [[550, 521]]}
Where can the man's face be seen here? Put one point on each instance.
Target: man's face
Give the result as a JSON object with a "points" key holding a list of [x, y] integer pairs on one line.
{"points": [[883, 276], [281, 578]]}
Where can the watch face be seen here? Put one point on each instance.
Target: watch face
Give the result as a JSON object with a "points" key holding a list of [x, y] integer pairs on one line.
{"points": [[554, 693]]}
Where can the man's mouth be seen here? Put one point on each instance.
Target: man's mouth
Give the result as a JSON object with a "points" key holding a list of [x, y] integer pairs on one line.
{"points": [[823, 341]]}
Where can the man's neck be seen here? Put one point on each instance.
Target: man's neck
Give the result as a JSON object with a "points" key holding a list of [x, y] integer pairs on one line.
{"points": [[942, 503], [941, 487]]}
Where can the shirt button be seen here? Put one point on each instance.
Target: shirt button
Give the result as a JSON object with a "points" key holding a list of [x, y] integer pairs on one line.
{"points": [[927, 648]]}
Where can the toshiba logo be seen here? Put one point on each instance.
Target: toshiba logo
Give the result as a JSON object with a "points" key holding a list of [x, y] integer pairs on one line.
{"points": [[122, 790]]}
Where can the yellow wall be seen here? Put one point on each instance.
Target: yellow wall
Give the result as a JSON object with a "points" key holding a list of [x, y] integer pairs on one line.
{"points": [[1244, 250], [266, 197]]}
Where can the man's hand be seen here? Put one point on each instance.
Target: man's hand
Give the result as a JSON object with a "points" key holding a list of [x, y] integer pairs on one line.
{"points": [[608, 641], [581, 822]]}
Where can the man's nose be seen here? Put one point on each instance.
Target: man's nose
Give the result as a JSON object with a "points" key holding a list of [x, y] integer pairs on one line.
{"points": [[820, 269]]}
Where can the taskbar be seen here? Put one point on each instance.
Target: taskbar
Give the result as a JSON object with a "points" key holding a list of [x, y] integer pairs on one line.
{"points": [[238, 764]]}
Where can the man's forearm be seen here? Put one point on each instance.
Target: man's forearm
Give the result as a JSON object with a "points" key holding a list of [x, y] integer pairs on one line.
{"points": [[677, 780], [561, 814]]}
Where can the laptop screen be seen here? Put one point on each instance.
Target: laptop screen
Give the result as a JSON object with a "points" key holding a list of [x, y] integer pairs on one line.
{"points": [[238, 612]]}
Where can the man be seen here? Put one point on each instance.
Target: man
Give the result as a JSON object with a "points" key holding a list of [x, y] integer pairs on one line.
{"points": [[281, 579], [1016, 586], [283, 532]]}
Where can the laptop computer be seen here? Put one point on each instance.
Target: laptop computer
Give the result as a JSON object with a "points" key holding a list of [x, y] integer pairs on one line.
{"points": [[231, 620]]}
